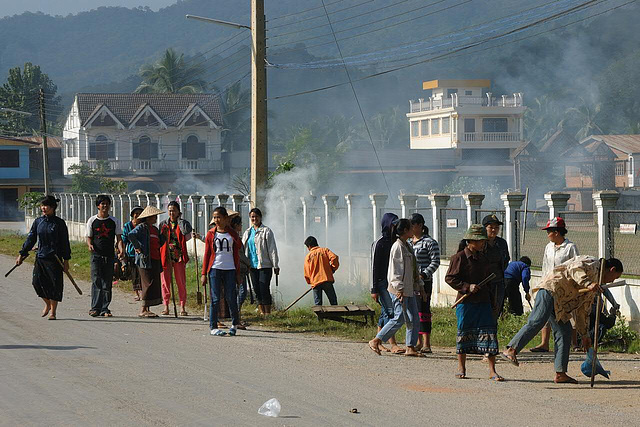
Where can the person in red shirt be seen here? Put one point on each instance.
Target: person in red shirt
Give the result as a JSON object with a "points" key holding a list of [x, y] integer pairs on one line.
{"points": [[319, 266]]}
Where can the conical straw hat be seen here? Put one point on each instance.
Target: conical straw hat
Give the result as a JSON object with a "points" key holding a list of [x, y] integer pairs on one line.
{"points": [[150, 211], [230, 214]]}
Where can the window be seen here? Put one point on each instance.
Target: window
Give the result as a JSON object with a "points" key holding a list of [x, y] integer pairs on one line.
{"points": [[193, 149], [145, 149], [102, 149], [468, 92], [495, 124], [469, 125], [415, 128], [445, 125], [424, 127], [451, 92], [10, 159], [621, 168], [435, 126]]}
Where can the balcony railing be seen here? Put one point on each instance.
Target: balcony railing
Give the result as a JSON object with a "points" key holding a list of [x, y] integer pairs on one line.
{"points": [[158, 165], [459, 101], [491, 137]]}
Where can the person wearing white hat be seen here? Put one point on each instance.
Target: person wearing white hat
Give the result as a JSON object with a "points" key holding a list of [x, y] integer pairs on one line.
{"points": [[147, 240]]}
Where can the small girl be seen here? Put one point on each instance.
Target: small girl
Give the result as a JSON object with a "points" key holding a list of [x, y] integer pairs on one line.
{"points": [[221, 265]]}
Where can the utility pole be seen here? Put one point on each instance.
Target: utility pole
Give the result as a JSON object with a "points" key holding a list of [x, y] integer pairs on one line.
{"points": [[45, 150], [259, 147]]}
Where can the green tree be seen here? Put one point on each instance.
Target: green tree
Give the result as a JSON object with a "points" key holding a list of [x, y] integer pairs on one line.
{"points": [[21, 92], [237, 132], [542, 119], [87, 180], [171, 75], [390, 128], [586, 117]]}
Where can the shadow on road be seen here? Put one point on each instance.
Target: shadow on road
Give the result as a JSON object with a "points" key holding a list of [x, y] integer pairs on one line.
{"points": [[607, 385], [42, 347]]}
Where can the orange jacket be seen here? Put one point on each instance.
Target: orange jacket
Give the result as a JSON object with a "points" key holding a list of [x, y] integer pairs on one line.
{"points": [[319, 266]]}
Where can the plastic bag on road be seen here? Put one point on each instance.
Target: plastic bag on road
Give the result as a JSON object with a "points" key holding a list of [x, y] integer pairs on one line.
{"points": [[586, 366], [270, 408]]}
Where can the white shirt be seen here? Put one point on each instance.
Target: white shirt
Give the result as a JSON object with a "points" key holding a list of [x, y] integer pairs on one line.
{"points": [[223, 245], [554, 255]]}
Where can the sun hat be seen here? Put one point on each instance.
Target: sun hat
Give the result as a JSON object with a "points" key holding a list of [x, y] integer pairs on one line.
{"points": [[476, 232], [491, 219], [150, 211]]}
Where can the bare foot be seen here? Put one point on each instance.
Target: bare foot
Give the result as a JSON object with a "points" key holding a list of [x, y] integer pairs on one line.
{"points": [[374, 345], [563, 378], [52, 316], [411, 351], [397, 349], [45, 311], [383, 348]]}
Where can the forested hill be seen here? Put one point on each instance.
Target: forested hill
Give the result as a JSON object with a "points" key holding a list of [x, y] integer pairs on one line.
{"points": [[103, 49]]}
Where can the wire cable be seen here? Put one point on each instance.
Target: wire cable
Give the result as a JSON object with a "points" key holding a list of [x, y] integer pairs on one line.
{"points": [[319, 16]]}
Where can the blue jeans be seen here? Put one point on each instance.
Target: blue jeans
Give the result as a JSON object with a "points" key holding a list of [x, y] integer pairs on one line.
{"points": [[405, 311], [242, 293], [218, 279], [328, 289], [541, 313], [386, 305]]}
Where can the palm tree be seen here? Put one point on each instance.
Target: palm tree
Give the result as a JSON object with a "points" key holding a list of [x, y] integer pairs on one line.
{"points": [[586, 116], [171, 75], [236, 101]]}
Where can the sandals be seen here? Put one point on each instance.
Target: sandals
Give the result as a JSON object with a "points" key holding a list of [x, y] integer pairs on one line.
{"points": [[165, 312], [375, 349], [184, 313], [52, 317], [511, 359], [497, 378], [568, 380], [426, 350], [94, 313], [147, 314], [107, 314], [538, 350], [398, 351], [461, 375]]}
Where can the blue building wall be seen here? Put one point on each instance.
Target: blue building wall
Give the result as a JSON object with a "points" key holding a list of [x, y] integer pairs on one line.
{"points": [[19, 172]]}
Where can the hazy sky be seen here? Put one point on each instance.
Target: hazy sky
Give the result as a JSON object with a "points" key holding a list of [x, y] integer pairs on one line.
{"points": [[64, 7]]}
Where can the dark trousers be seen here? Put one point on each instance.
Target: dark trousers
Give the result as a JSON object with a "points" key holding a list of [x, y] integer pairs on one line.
{"points": [[222, 281], [424, 308], [328, 289], [101, 282], [512, 293], [261, 280]]}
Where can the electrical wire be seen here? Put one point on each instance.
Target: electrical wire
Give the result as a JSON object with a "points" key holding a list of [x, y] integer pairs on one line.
{"points": [[461, 49], [319, 16], [288, 15], [355, 95]]}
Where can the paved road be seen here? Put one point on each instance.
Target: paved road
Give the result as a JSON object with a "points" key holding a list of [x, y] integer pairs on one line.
{"points": [[123, 371]]}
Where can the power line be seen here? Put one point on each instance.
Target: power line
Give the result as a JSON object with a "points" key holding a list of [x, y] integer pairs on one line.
{"points": [[378, 21], [320, 16], [451, 53], [301, 12], [355, 95]]}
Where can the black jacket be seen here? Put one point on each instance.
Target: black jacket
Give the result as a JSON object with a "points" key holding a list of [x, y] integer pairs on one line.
{"points": [[380, 250]]}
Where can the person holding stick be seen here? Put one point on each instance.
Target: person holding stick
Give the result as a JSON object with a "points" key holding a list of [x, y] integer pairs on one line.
{"points": [[131, 252], [405, 287], [177, 230], [557, 297], [319, 266], [221, 266], [147, 240], [477, 326], [558, 250], [103, 231], [52, 235]]}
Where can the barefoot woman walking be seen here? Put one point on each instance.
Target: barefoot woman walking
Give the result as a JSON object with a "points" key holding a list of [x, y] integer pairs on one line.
{"points": [[53, 241]]}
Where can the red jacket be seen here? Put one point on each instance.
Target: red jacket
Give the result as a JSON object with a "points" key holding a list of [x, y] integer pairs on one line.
{"points": [[210, 253], [164, 250]]}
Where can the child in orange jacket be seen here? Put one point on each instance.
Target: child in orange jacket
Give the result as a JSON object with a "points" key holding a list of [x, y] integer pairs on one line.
{"points": [[319, 266]]}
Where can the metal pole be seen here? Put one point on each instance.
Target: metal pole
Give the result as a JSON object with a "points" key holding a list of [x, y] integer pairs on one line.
{"points": [[45, 150], [259, 150]]}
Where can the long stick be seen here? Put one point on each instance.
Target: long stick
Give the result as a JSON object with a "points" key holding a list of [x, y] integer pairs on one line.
{"points": [[73, 282], [596, 327], [299, 298], [485, 281], [195, 254], [14, 267], [524, 222]]}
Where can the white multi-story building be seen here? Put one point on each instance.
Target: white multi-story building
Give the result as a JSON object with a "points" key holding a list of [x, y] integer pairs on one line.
{"points": [[157, 136], [464, 116]]}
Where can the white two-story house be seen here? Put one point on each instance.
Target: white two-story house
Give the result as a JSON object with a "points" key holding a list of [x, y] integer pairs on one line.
{"points": [[464, 118], [145, 138]]}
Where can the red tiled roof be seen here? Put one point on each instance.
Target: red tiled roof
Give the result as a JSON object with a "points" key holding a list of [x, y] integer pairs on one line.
{"points": [[52, 141]]}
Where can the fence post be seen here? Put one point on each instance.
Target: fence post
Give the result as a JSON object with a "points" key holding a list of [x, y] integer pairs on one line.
{"points": [[330, 201], [222, 200], [438, 232], [195, 200], [473, 201], [378, 201], [159, 200], [407, 201], [307, 202], [75, 209], [605, 201], [350, 200], [512, 201], [90, 208], [208, 200], [236, 203], [557, 202]]}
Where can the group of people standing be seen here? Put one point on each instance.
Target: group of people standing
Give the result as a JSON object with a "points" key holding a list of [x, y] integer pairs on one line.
{"points": [[154, 256]]}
